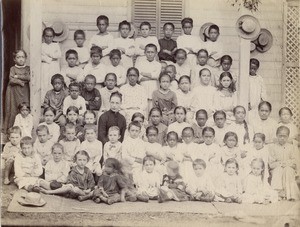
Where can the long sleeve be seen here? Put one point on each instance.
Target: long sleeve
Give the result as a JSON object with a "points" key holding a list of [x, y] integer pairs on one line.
{"points": [[25, 76], [90, 181], [264, 96], [46, 102], [122, 129], [66, 105], [64, 174], [56, 52], [95, 103], [38, 169], [45, 58], [273, 162], [18, 166], [82, 105], [102, 129]]}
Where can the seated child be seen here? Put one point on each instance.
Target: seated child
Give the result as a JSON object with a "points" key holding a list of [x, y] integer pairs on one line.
{"points": [[285, 117], [226, 63], [201, 120], [80, 182], [89, 117], [141, 119], [155, 116], [93, 147], [172, 151], [230, 150], [172, 186], [113, 148], [199, 185], [10, 150], [220, 127], [91, 94], [28, 166], [184, 96], [229, 186], [24, 119], [110, 87], [55, 98], [54, 130], [171, 71], [83, 52], [72, 73], [183, 67], [167, 45]]}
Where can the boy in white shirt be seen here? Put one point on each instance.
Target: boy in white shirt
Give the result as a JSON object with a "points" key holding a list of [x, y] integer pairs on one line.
{"points": [[74, 100], [83, 52]]}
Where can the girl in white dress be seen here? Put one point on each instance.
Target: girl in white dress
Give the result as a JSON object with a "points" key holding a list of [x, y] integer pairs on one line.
{"points": [[24, 119], [182, 65], [220, 127], [285, 118], [231, 149]]}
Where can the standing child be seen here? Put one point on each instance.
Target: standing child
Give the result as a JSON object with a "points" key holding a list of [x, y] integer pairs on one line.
{"points": [[17, 89], [285, 119], [230, 149], [105, 92], [179, 124], [155, 118], [28, 166], [83, 52], [10, 150], [183, 67], [220, 127], [167, 45], [198, 126], [283, 166], [116, 68], [24, 119], [171, 71], [51, 54], [113, 148], [165, 99], [229, 186], [226, 63], [54, 130], [91, 94]]}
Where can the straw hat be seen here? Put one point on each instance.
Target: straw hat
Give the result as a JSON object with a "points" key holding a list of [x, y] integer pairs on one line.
{"points": [[134, 32], [248, 27], [264, 40], [61, 31], [32, 199], [203, 33]]}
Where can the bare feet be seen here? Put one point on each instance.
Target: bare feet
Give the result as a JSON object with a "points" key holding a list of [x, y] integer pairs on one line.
{"points": [[6, 181]]}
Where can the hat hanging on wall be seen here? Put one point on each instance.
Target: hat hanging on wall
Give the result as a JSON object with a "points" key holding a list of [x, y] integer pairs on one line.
{"points": [[134, 32], [204, 31], [248, 27], [32, 199], [61, 31], [264, 40]]}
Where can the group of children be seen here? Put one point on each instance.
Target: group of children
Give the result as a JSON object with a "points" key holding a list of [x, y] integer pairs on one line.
{"points": [[168, 128]]}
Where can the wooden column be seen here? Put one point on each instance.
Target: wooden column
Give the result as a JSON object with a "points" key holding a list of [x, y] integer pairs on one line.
{"points": [[35, 20]]}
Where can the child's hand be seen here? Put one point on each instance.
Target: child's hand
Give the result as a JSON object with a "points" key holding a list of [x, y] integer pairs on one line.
{"points": [[103, 47], [167, 52], [87, 191]]}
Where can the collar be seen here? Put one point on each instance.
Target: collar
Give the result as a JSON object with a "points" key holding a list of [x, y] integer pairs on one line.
{"points": [[20, 66], [164, 92]]}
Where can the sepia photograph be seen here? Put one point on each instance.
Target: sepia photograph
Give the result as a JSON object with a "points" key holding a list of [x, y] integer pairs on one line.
{"points": [[150, 113]]}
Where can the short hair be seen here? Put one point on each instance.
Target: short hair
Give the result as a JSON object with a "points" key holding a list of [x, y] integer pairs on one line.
{"points": [[42, 128], [173, 133], [162, 74], [180, 108], [145, 23], [269, 105], [155, 109], [201, 111], [151, 45], [23, 104], [232, 160], [90, 127], [79, 32], [70, 125], [148, 158], [171, 66], [151, 127], [57, 145], [137, 114], [228, 134], [202, 50], [81, 152], [184, 77], [283, 128], [188, 129], [71, 51], [231, 86], [90, 112], [134, 69], [208, 129], [19, 50], [254, 61], [49, 108], [124, 22], [186, 20], [226, 57], [90, 76], [113, 74], [204, 69], [114, 52], [48, 29], [102, 17], [260, 135], [235, 109], [200, 162], [285, 108], [169, 23], [114, 129], [72, 108], [15, 129], [219, 112], [26, 140], [95, 50], [214, 26], [115, 164], [134, 123], [116, 94], [57, 76], [178, 51], [74, 84]]}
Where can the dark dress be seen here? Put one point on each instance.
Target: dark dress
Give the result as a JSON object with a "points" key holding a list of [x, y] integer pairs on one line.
{"points": [[17, 92]]}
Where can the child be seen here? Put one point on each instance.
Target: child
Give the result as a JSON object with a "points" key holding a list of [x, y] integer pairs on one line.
{"points": [[165, 99], [200, 186], [70, 143], [51, 54], [229, 187], [226, 98], [89, 117], [10, 150], [264, 123], [28, 166], [24, 119], [43, 145], [94, 67], [182, 65], [125, 44], [173, 151], [171, 71], [230, 150], [55, 98], [80, 182], [72, 73], [220, 127], [93, 147], [144, 40], [103, 39], [83, 52], [201, 119], [134, 95], [149, 70], [155, 117], [256, 188], [203, 94], [111, 186], [167, 45], [282, 164], [141, 119], [112, 118], [17, 90], [257, 87], [285, 117], [113, 148], [74, 100], [54, 130], [90, 94], [72, 117], [179, 124], [172, 186], [148, 181], [116, 68], [226, 63], [110, 87]]}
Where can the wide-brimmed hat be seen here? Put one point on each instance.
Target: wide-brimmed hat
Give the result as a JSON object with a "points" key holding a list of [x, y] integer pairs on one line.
{"points": [[61, 31], [32, 199], [248, 27], [134, 31], [264, 40], [203, 33]]}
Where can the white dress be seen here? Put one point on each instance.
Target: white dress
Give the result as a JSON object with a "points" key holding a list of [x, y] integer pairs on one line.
{"points": [[57, 171], [54, 131], [120, 72], [148, 183], [195, 75], [178, 127], [26, 124], [267, 127], [129, 47], [203, 98], [94, 149]]}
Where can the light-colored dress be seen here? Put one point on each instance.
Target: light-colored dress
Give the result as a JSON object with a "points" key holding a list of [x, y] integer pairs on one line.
{"points": [[183, 70], [70, 148], [26, 124], [54, 131], [220, 134], [105, 97], [178, 127], [240, 130], [195, 75], [120, 72], [203, 97], [215, 52], [257, 91], [226, 103], [189, 42], [72, 74], [111, 150], [148, 183], [229, 185], [129, 47], [199, 184], [44, 150], [83, 55], [79, 103], [57, 171], [267, 127], [144, 41], [101, 40]]}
